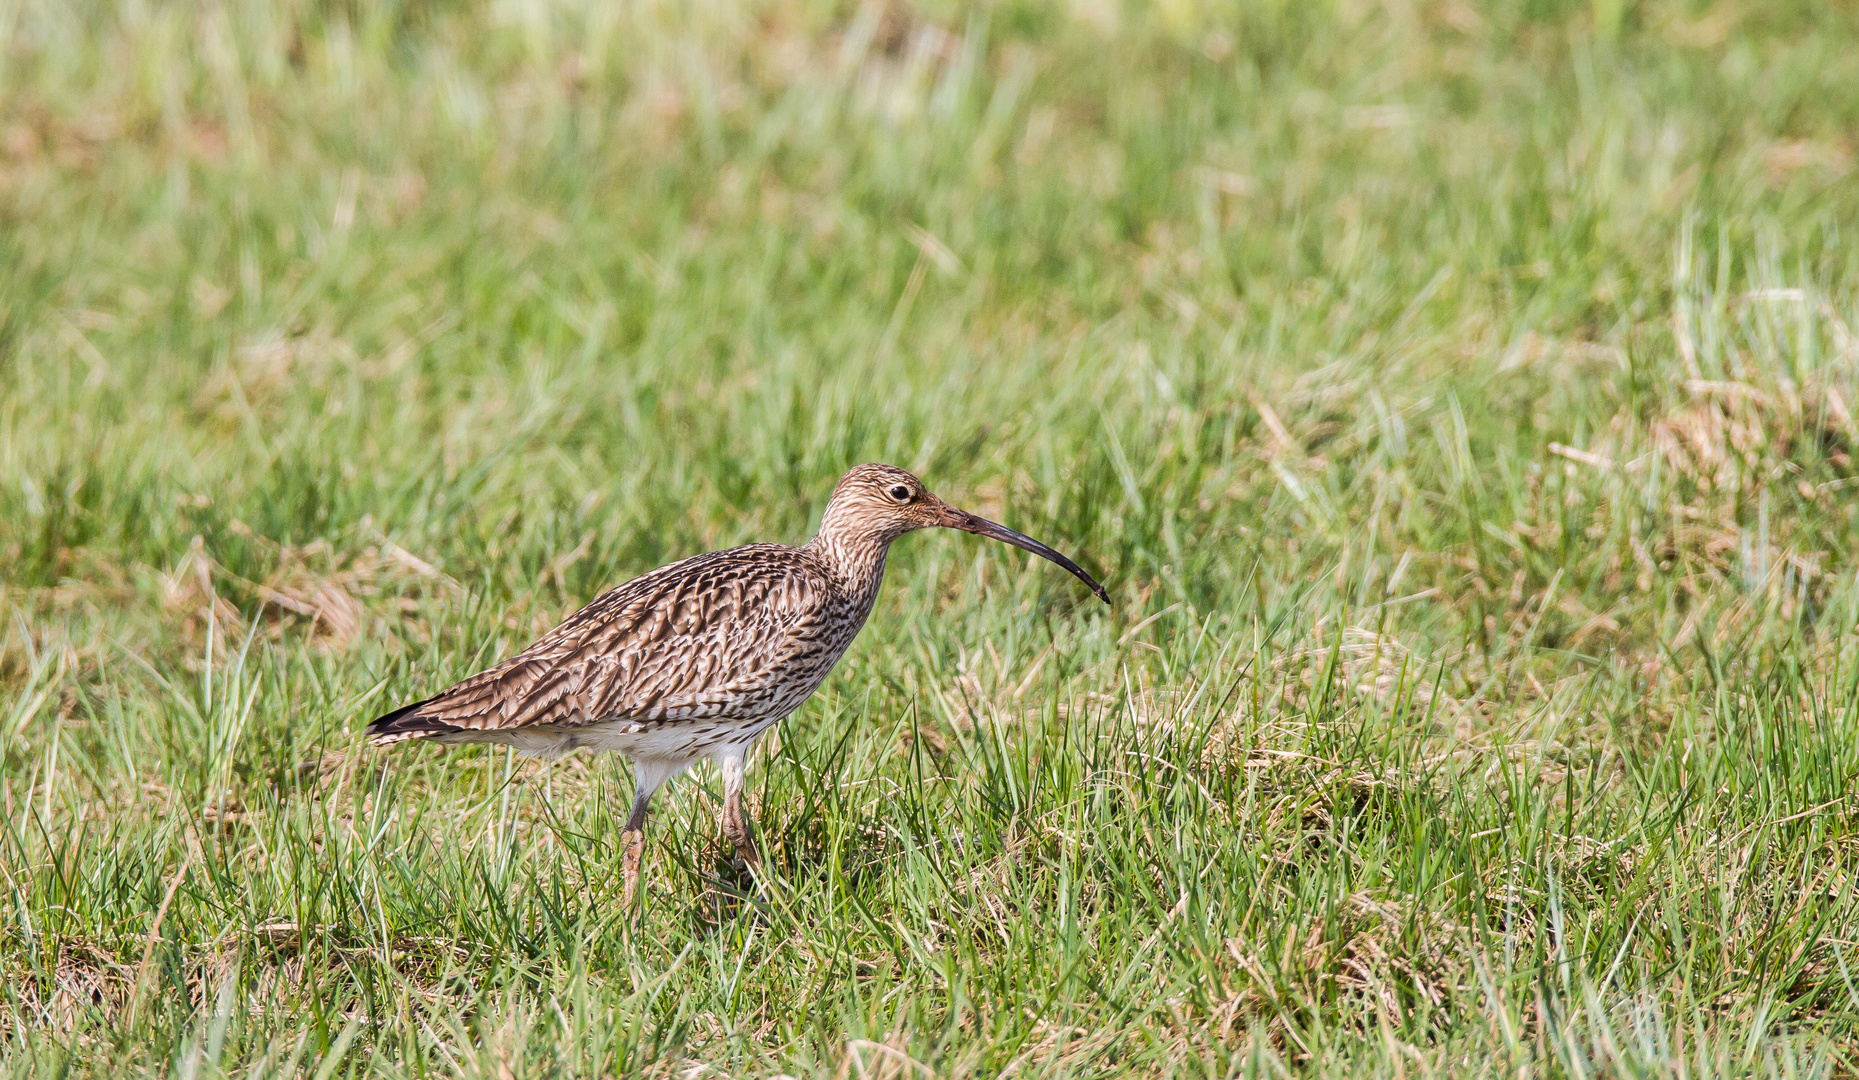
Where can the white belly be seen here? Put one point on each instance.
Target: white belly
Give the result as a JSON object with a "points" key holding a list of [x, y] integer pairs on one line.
{"points": [[682, 741]]}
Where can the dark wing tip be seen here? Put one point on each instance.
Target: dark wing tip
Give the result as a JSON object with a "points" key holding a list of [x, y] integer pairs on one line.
{"points": [[405, 723]]}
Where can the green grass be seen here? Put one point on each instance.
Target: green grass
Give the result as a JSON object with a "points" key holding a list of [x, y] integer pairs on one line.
{"points": [[1458, 400]]}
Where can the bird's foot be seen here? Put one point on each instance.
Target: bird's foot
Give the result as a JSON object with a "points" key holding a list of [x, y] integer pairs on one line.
{"points": [[735, 868]]}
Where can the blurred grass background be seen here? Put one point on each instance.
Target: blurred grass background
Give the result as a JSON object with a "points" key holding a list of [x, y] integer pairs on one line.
{"points": [[1457, 398]]}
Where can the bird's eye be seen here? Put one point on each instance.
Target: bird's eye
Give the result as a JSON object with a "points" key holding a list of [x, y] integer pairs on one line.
{"points": [[900, 493]]}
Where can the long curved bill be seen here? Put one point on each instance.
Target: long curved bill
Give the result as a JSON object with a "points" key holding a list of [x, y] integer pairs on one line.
{"points": [[967, 522]]}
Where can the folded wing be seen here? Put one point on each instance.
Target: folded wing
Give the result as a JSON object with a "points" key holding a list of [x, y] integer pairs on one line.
{"points": [[709, 636]]}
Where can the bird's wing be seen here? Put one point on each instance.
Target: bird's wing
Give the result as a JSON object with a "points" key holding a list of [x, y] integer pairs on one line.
{"points": [[695, 639]]}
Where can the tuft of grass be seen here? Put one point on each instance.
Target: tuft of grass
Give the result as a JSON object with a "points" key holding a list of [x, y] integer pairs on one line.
{"points": [[1458, 399]]}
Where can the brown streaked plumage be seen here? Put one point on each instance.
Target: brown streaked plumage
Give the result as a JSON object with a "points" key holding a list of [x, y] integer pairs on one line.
{"points": [[697, 658]]}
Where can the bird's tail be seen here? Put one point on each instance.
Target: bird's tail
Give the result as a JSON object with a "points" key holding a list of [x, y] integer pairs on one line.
{"points": [[405, 723]]}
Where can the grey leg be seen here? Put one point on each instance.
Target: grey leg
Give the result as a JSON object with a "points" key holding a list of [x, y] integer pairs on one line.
{"points": [[648, 774], [732, 764], [633, 837]]}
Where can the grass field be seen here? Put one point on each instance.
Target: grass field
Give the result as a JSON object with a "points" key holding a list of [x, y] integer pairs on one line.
{"points": [[1458, 400]]}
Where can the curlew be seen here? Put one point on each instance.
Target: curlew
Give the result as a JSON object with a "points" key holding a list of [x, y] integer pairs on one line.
{"points": [[698, 658]]}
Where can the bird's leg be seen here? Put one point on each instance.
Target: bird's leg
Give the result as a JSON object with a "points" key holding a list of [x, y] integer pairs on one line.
{"points": [[736, 824], [633, 838], [648, 774], [741, 832]]}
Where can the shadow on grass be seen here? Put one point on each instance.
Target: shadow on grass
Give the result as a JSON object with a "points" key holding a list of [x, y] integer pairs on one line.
{"points": [[801, 851]]}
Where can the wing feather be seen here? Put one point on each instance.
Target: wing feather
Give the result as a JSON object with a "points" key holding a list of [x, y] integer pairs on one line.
{"points": [[700, 638]]}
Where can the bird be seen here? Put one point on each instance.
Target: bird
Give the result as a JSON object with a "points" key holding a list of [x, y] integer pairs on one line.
{"points": [[698, 658]]}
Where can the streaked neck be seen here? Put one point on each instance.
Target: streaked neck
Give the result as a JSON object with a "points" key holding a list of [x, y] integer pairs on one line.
{"points": [[855, 557]]}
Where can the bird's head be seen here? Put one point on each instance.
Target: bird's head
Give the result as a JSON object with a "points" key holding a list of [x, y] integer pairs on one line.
{"points": [[879, 503]]}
